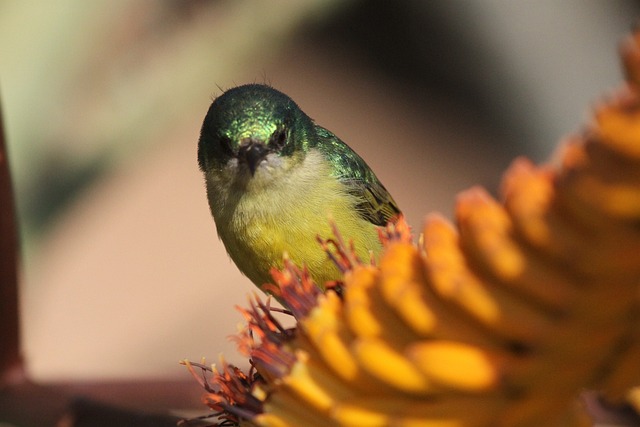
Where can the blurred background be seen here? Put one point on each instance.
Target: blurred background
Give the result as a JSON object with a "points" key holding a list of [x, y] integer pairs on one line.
{"points": [[123, 274]]}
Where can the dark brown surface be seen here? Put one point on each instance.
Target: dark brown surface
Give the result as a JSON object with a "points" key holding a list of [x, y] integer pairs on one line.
{"points": [[10, 358], [139, 403]]}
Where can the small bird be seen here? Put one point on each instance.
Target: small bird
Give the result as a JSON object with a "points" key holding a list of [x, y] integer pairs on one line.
{"points": [[275, 179]]}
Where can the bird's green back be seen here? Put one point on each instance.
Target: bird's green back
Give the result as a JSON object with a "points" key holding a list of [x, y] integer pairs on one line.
{"points": [[377, 206]]}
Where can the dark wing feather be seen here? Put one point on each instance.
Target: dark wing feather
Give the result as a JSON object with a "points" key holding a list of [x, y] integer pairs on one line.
{"points": [[375, 203]]}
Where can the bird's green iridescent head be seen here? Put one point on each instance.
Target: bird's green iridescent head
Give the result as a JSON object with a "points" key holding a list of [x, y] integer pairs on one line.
{"points": [[249, 122]]}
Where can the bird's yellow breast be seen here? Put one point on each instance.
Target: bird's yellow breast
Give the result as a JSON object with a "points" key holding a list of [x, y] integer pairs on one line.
{"points": [[282, 208]]}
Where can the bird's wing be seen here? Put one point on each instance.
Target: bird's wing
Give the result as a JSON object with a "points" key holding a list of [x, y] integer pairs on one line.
{"points": [[375, 203]]}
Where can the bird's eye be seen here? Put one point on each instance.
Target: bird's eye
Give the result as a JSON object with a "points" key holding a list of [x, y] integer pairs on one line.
{"points": [[278, 139], [225, 143]]}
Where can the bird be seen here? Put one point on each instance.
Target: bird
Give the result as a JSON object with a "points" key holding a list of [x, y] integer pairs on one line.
{"points": [[275, 181]]}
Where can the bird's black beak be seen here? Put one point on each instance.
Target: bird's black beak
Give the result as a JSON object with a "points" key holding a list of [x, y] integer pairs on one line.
{"points": [[253, 153]]}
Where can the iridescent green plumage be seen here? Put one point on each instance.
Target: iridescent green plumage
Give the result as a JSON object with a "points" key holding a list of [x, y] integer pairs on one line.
{"points": [[377, 206], [274, 177]]}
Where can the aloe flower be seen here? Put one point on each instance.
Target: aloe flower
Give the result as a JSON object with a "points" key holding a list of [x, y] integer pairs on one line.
{"points": [[498, 319]]}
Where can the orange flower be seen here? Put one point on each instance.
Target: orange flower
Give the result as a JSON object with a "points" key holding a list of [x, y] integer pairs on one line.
{"points": [[500, 320]]}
